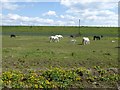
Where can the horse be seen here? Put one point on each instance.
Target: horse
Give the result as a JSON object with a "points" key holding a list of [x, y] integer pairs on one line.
{"points": [[73, 40], [85, 40], [54, 39], [72, 36], [59, 36], [75, 35], [97, 37], [12, 35]]}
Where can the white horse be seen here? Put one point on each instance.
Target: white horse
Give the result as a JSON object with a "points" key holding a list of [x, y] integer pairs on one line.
{"points": [[86, 40], [59, 36], [54, 39], [73, 40]]}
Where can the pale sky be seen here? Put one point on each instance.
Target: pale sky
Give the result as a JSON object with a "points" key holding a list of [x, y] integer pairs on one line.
{"points": [[60, 12]]}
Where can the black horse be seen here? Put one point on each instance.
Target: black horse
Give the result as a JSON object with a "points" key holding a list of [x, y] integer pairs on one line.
{"points": [[72, 36], [12, 35], [97, 37]]}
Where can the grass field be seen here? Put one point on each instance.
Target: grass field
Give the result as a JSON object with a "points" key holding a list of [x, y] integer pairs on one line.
{"points": [[30, 56], [64, 30], [29, 51]]}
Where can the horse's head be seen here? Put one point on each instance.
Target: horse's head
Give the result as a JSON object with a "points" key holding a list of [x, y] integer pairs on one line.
{"points": [[101, 36]]}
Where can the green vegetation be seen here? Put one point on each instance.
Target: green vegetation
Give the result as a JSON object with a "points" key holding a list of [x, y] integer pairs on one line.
{"points": [[36, 52], [51, 30], [60, 78], [32, 51]]}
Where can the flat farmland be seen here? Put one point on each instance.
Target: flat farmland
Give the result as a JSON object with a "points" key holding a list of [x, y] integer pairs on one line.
{"points": [[31, 49], [30, 60]]}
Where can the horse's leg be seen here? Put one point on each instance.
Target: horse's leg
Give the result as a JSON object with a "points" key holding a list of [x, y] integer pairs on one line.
{"points": [[83, 41], [53, 40], [50, 39], [99, 38], [88, 42], [95, 38], [57, 39]]}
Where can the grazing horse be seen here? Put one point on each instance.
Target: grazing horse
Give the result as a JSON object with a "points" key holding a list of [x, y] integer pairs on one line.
{"points": [[73, 40], [72, 36], [54, 39], [85, 40], [12, 35], [59, 36], [75, 35], [97, 37]]}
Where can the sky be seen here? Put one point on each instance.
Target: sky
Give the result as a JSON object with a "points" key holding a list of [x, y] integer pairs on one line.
{"points": [[59, 12]]}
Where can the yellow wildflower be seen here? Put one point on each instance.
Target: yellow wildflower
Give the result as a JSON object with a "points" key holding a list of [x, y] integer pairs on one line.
{"points": [[47, 82], [36, 86], [40, 86], [78, 78]]}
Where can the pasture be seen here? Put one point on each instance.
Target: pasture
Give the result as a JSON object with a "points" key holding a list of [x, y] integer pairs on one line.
{"points": [[31, 49], [30, 60]]}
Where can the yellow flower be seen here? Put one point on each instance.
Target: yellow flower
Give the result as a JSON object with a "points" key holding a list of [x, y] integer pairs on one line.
{"points": [[53, 86], [21, 83], [36, 86], [1, 81], [78, 78], [40, 86], [47, 82], [9, 81]]}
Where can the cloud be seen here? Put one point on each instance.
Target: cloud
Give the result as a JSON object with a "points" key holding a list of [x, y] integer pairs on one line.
{"points": [[15, 19], [69, 17], [108, 5], [13, 16], [30, 0], [69, 3], [60, 23], [65, 23], [93, 12], [50, 13], [0, 15], [103, 17], [9, 6], [4, 0]]}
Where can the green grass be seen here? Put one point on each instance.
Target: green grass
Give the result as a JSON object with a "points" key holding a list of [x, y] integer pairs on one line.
{"points": [[36, 52], [31, 50], [51, 30]]}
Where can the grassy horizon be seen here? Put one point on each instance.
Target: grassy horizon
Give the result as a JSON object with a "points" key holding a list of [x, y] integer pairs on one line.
{"points": [[64, 30]]}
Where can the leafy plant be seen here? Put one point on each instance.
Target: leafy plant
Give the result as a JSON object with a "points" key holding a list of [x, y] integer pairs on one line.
{"points": [[56, 78]]}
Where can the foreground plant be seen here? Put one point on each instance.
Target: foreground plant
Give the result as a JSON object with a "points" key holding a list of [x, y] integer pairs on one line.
{"points": [[58, 78]]}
